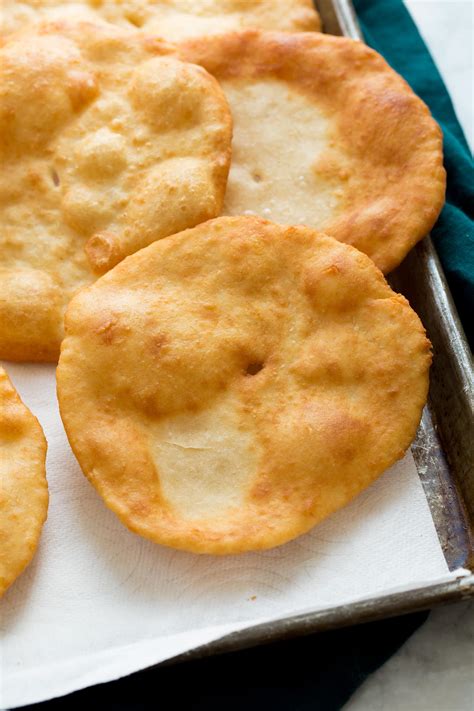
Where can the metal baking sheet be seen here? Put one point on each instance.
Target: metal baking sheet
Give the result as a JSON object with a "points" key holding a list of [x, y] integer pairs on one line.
{"points": [[443, 449]]}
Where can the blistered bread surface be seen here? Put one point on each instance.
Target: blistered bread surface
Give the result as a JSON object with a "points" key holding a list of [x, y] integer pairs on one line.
{"points": [[327, 134], [173, 19], [229, 387], [107, 143], [23, 487]]}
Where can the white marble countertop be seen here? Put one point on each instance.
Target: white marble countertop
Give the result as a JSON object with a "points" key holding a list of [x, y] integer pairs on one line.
{"points": [[434, 670], [447, 26]]}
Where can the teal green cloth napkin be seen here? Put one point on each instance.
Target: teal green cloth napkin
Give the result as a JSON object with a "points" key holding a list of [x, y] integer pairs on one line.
{"points": [[388, 28]]}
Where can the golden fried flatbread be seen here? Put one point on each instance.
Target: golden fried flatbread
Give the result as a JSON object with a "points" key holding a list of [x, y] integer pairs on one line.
{"points": [[107, 144], [227, 388], [173, 19], [327, 134], [23, 487]]}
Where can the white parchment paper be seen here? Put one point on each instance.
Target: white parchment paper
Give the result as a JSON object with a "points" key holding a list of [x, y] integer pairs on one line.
{"points": [[98, 602]]}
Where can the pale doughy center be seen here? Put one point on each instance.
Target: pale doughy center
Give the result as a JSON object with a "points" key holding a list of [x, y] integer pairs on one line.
{"points": [[278, 136], [206, 461]]}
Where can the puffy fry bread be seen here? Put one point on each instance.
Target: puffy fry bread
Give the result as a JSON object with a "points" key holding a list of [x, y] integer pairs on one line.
{"points": [[23, 487], [107, 143], [327, 134], [229, 387], [173, 19]]}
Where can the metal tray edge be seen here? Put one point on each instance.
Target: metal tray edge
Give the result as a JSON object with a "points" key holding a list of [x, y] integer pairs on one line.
{"points": [[307, 623], [451, 398]]}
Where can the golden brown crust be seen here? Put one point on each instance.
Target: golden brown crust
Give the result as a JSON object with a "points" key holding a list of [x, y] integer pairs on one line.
{"points": [[173, 19], [374, 176], [23, 489], [227, 388], [107, 143]]}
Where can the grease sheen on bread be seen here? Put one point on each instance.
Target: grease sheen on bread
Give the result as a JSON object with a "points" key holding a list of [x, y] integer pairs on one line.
{"points": [[107, 143], [327, 134], [23, 487], [173, 19], [229, 387]]}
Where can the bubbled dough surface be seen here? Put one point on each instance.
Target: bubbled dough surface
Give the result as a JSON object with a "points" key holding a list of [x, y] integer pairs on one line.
{"points": [[227, 388], [23, 487], [173, 19], [337, 139], [107, 144]]}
